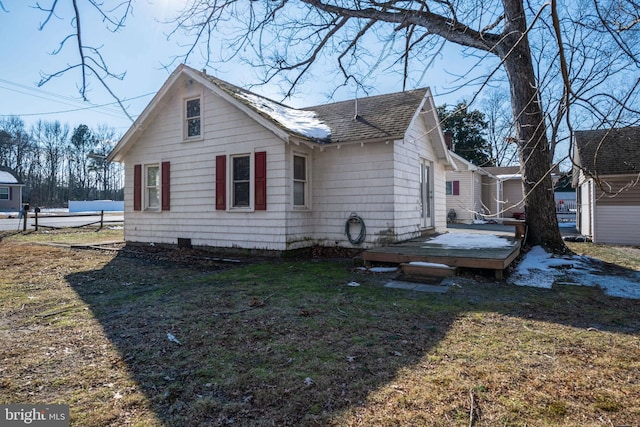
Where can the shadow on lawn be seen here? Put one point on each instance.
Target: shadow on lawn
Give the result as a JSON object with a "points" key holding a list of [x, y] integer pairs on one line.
{"points": [[289, 343]]}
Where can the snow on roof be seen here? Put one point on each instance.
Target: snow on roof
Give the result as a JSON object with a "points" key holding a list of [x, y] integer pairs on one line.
{"points": [[510, 176], [471, 241], [542, 270], [7, 178], [302, 122]]}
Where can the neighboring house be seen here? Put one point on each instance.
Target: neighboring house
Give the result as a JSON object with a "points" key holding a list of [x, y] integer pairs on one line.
{"points": [[503, 193], [10, 190], [210, 164], [464, 190], [606, 175]]}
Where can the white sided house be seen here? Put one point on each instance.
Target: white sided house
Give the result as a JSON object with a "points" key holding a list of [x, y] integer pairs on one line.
{"points": [[606, 175], [465, 189], [210, 164]]}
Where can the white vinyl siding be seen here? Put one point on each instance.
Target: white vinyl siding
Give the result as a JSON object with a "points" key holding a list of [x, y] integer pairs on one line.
{"points": [[193, 213], [352, 179], [466, 202], [379, 181], [617, 225], [408, 156]]}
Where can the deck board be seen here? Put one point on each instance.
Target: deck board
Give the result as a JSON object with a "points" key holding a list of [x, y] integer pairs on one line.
{"points": [[423, 251]]}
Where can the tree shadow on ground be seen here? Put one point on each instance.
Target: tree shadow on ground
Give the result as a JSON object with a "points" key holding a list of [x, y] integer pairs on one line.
{"points": [[289, 343]]}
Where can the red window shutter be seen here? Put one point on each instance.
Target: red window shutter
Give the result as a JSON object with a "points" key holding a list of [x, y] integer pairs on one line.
{"points": [[166, 183], [137, 187], [456, 188], [260, 179], [221, 182]]}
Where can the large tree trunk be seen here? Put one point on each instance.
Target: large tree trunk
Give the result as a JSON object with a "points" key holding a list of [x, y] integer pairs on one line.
{"points": [[533, 146]]}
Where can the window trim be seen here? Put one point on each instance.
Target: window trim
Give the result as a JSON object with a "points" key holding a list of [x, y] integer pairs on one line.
{"points": [[224, 184], [185, 119], [306, 181], [8, 189], [231, 182], [157, 186], [452, 188]]}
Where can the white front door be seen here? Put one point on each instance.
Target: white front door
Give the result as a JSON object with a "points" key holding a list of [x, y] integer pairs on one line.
{"points": [[426, 193]]}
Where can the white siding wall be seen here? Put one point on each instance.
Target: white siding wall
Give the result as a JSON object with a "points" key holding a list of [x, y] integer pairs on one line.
{"points": [[585, 224], [617, 225], [512, 197], [465, 203], [378, 181], [408, 155], [356, 179], [227, 131]]}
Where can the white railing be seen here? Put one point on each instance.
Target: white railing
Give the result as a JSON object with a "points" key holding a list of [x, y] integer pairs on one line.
{"points": [[566, 207]]}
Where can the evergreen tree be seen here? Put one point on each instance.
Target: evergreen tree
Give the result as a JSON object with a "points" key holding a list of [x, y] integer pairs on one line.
{"points": [[468, 133]]}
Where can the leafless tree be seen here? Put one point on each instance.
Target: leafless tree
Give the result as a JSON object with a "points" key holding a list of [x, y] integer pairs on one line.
{"points": [[52, 139], [555, 59], [500, 129], [91, 64]]}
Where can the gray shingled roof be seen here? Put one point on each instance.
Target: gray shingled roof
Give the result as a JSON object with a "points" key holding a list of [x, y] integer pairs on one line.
{"points": [[609, 151], [378, 117]]}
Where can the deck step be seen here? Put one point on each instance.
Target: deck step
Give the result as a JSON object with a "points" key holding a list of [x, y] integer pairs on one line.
{"points": [[427, 269]]}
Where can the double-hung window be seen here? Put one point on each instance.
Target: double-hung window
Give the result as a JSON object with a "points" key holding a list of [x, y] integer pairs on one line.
{"points": [[193, 119], [241, 186], [4, 193], [152, 187], [241, 180], [300, 181]]}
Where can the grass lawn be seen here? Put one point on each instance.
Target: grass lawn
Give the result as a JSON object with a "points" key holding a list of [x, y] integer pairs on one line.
{"points": [[288, 343]]}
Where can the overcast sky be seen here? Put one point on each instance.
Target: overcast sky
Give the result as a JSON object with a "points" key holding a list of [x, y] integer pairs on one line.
{"points": [[140, 49]]}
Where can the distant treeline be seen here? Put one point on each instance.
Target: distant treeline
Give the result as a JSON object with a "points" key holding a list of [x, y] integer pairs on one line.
{"points": [[58, 164]]}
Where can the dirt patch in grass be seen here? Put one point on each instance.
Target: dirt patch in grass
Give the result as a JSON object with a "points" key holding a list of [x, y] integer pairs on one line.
{"points": [[288, 343]]}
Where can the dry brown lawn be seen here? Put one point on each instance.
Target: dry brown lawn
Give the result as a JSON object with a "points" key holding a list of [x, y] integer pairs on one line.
{"points": [[288, 343]]}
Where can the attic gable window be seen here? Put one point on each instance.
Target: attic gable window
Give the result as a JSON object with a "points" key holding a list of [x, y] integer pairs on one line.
{"points": [[193, 119]]}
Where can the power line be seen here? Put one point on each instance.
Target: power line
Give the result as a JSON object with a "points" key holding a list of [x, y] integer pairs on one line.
{"points": [[73, 102]]}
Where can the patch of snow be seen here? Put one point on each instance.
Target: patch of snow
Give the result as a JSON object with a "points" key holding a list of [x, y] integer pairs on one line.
{"points": [[172, 338], [509, 176], [353, 284], [479, 221], [382, 269], [470, 241], [299, 121], [429, 264], [541, 269]]}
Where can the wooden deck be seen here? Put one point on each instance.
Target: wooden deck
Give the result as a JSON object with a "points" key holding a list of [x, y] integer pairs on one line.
{"points": [[420, 250]]}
